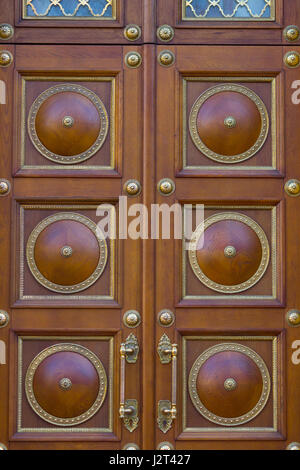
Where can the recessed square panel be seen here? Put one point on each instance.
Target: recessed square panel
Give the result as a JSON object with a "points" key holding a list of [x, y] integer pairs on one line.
{"points": [[231, 384], [64, 254], [229, 124], [234, 254], [65, 384], [67, 123], [228, 10], [69, 9]]}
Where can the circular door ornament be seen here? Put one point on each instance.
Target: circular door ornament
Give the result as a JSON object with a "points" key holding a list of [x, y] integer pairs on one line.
{"points": [[66, 252], [66, 384], [229, 384], [68, 123], [229, 123], [229, 252]]}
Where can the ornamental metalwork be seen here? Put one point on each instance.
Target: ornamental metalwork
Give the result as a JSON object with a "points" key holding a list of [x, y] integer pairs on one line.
{"points": [[69, 9], [230, 10]]}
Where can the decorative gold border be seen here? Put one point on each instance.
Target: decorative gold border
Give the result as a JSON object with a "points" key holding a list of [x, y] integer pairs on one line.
{"points": [[227, 167], [239, 218], [60, 429], [273, 296], [107, 207], [274, 380], [31, 246], [249, 20], [63, 159], [112, 122], [56, 348], [193, 386], [76, 18], [229, 159]]}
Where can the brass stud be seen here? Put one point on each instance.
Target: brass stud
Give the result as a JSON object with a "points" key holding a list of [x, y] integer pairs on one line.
{"points": [[4, 187], [133, 59], [132, 32], [2, 446], [165, 33], [6, 58], [166, 187], [66, 251], [131, 446], [6, 31], [230, 122], [292, 188], [229, 251], [65, 383], [291, 33], [292, 59], [131, 319], [166, 58], [4, 318], [230, 384], [166, 318], [293, 317], [68, 121], [165, 446], [132, 188], [293, 446]]}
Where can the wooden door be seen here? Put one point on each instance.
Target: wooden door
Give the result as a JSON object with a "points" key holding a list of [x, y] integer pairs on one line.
{"points": [[156, 341], [226, 336]]}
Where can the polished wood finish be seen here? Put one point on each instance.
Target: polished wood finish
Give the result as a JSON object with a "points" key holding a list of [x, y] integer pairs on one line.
{"points": [[149, 140]]}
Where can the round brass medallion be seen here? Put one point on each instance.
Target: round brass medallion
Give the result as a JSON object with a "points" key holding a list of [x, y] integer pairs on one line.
{"points": [[6, 58], [68, 123], [165, 33], [229, 123], [244, 244], [6, 31], [226, 400], [62, 400], [132, 32], [60, 267]]}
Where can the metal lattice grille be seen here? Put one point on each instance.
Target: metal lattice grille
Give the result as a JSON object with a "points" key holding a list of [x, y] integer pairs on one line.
{"points": [[69, 9], [251, 10]]}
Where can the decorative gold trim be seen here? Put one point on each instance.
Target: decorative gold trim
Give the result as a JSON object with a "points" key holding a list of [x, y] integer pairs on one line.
{"points": [[193, 388], [164, 420], [239, 218], [224, 19], [164, 349], [59, 429], [30, 377], [63, 159], [229, 158], [31, 246], [76, 18]]}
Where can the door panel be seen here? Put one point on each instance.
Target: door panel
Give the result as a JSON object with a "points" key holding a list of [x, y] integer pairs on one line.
{"points": [[68, 293], [242, 227], [44, 21], [206, 22]]}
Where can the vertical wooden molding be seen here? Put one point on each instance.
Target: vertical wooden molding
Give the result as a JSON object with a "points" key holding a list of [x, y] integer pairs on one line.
{"points": [[148, 356], [2, 92], [2, 352]]}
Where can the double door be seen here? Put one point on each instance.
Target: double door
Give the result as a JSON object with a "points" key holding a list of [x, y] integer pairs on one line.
{"points": [[150, 256]]}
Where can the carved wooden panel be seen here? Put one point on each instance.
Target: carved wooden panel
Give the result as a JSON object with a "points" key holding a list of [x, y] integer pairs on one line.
{"points": [[230, 385], [64, 384], [68, 123], [230, 124], [63, 255], [234, 255]]}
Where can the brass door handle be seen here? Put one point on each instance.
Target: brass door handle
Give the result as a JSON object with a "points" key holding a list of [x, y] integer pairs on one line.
{"points": [[128, 410], [167, 410]]}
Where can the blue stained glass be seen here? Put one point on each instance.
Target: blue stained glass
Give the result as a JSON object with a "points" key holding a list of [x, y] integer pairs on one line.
{"points": [[68, 9], [251, 10]]}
